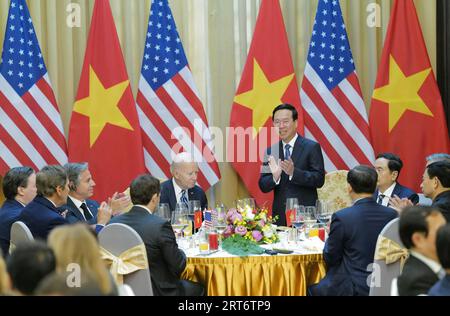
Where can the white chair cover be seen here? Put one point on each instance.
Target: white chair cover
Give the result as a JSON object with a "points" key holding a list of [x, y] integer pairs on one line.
{"points": [[19, 233], [383, 274], [117, 238]]}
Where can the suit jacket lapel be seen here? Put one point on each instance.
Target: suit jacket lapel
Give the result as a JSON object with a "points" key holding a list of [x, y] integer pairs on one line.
{"points": [[172, 197], [74, 209], [298, 149]]}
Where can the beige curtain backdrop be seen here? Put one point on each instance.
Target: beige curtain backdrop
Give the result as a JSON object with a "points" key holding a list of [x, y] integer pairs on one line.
{"points": [[216, 35]]}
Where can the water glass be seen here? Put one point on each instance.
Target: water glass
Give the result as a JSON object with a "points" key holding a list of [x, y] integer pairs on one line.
{"points": [[163, 211]]}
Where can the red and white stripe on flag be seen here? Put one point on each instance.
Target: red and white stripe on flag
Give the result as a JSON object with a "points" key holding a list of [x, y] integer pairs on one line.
{"points": [[170, 112], [335, 115], [31, 130]]}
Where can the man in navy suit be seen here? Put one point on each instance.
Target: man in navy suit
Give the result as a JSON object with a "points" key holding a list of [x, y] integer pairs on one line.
{"points": [[388, 167], [19, 188], [182, 187], [166, 261], [293, 167], [442, 288], [354, 231], [418, 226], [42, 215], [79, 207]]}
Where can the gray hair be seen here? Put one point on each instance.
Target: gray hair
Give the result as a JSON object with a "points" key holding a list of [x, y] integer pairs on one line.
{"points": [[438, 157], [181, 158], [49, 178], [74, 170]]}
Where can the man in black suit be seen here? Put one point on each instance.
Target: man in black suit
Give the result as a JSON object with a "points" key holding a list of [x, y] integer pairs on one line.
{"points": [[417, 228], [182, 187], [388, 167], [79, 207], [293, 167], [165, 259], [42, 214], [354, 231], [19, 188], [436, 186]]}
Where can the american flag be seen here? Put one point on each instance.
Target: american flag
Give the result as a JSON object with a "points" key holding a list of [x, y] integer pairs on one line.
{"points": [[335, 115], [210, 218], [31, 130], [170, 111]]}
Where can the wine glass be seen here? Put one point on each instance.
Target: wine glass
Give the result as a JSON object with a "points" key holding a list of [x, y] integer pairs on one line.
{"points": [[299, 219], [180, 218], [163, 211], [220, 222], [323, 211], [291, 209], [310, 218], [194, 206]]}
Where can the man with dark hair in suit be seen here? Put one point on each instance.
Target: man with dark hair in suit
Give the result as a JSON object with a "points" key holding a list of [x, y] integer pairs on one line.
{"points": [[388, 167], [442, 288], [165, 259], [42, 214], [417, 228], [293, 167], [80, 208], [182, 187], [354, 231], [436, 186], [19, 188]]}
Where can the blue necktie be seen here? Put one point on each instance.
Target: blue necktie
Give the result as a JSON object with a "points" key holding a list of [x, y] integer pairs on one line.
{"points": [[184, 198], [380, 199], [287, 152]]}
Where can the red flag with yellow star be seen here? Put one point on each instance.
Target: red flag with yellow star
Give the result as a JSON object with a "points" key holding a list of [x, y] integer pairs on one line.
{"points": [[267, 81], [104, 128], [407, 115]]}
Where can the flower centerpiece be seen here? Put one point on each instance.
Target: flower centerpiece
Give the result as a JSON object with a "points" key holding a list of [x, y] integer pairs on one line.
{"points": [[247, 227]]}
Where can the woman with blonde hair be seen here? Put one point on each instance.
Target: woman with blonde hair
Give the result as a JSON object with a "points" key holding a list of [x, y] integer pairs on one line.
{"points": [[5, 284], [77, 244]]}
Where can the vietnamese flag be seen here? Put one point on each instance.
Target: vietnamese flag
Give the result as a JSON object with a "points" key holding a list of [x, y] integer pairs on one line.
{"points": [[104, 127], [268, 80], [407, 115], [197, 219]]}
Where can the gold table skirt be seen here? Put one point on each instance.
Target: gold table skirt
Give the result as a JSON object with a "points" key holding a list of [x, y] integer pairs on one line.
{"points": [[256, 275]]}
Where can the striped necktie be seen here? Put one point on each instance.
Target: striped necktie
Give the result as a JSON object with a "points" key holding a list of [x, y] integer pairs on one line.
{"points": [[183, 198]]}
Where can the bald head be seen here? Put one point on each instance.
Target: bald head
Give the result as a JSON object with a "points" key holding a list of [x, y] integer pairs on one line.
{"points": [[184, 170]]}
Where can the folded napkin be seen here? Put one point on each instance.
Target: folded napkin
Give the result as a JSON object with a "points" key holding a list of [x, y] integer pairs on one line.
{"points": [[314, 244]]}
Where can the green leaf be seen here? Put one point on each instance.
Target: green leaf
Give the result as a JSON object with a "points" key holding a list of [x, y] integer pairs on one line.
{"points": [[239, 246]]}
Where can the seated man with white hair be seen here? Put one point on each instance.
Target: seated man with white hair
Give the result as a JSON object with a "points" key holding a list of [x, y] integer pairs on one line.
{"points": [[182, 187]]}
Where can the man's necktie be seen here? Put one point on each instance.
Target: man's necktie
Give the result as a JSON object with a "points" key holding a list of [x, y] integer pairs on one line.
{"points": [[184, 198], [287, 152], [86, 212], [380, 199]]}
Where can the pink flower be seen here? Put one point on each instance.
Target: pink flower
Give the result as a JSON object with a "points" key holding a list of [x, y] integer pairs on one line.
{"points": [[228, 231], [262, 223], [256, 234], [241, 230]]}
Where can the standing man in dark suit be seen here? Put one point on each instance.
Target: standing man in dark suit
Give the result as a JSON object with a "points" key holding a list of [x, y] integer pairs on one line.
{"points": [[293, 167], [79, 207], [354, 231], [166, 261], [417, 228], [388, 167], [182, 187], [42, 215], [19, 188]]}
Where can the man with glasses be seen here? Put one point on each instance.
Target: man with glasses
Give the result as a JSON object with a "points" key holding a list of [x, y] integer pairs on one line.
{"points": [[293, 167]]}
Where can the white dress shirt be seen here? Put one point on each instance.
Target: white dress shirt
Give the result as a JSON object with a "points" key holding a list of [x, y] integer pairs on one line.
{"points": [[387, 194], [291, 143], [78, 205], [178, 190]]}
